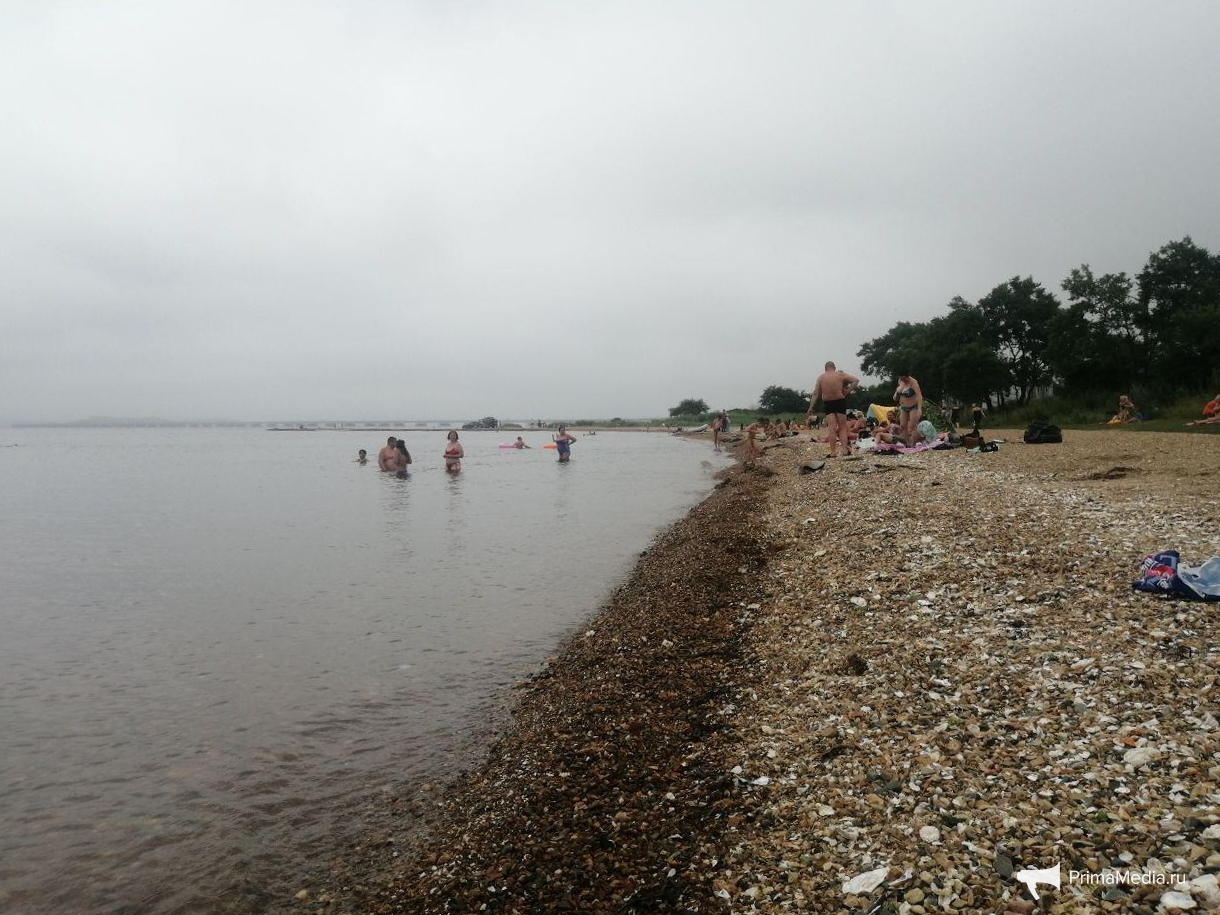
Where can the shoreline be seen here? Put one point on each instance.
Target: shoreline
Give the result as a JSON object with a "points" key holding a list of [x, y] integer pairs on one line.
{"points": [[930, 665], [606, 777]]}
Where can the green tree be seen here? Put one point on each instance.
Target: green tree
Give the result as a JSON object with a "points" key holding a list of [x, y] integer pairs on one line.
{"points": [[890, 353], [689, 407], [860, 398], [1179, 289], [1019, 314], [776, 399], [974, 372], [951, 355], [1098, 341]]}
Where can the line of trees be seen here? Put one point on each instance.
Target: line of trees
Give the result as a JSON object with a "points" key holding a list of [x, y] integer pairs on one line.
{"points": [[1158, 331], [774, 399]]}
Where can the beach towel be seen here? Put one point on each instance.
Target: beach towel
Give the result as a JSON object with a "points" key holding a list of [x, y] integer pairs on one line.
{"points": [[938, 445], [1164, 573]]}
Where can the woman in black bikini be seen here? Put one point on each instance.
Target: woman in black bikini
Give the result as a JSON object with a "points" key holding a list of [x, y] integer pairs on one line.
{"points": [[910, 405]]}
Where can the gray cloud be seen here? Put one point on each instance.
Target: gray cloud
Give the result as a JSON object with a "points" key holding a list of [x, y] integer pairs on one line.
{"points": [[550, 209]]}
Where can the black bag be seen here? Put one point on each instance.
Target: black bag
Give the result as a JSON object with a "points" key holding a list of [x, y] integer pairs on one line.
{"points": [[1041, 432]]}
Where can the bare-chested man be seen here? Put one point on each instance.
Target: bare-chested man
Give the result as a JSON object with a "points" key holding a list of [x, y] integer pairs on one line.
{"points": [[832, 388], [387, 457]]}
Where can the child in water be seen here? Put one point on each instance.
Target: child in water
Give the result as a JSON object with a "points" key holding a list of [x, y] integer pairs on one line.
{"points": [[453, 453]]}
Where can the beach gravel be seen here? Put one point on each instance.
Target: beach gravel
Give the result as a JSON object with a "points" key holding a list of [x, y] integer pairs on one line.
{"points": [[887, 686]]}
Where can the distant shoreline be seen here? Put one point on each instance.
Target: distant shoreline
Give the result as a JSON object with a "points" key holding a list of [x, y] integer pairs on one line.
{"points": [[438, 426], [391, 426]]}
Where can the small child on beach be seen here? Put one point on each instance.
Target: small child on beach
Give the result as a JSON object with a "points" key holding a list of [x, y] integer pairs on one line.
{"points": [[761, 425]]}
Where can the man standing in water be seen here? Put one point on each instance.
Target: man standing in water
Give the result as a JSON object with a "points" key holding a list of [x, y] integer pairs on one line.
{"points": [[832, 388], [387, 457]]}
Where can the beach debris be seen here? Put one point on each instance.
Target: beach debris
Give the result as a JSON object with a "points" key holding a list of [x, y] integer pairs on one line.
{"points": [[865, 883], [1175, 899]]}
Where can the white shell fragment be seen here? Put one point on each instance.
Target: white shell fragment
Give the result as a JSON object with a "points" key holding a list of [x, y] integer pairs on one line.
{"points": [[866, 882], [1141, 756], [1175, 899]]}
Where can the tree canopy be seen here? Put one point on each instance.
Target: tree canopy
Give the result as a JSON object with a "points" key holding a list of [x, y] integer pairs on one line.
{"points": [[1158, 331], [777, 399], [689, 407]]}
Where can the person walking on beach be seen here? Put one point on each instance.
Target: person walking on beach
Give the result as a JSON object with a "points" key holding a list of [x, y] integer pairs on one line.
{"points": [[563, 444], [454, 452], [387, 457], [720, 425], [751, 446], [832, 388]]}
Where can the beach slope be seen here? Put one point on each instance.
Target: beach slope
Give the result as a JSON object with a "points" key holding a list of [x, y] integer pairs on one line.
{"points": [[887, 685]]}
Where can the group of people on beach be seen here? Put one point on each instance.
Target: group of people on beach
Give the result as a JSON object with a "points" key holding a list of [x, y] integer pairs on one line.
{"points": [[903, 425], [395, 458]]}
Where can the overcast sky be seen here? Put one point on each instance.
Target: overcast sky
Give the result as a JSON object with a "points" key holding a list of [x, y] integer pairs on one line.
{"points": [[273, 210]]}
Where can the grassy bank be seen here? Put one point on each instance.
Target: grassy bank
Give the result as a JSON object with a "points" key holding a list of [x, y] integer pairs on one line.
{"points": [[1085, 413]]}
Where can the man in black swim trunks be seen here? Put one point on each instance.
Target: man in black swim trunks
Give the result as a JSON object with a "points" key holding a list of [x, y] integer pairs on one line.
{"points": [[832, 388]]}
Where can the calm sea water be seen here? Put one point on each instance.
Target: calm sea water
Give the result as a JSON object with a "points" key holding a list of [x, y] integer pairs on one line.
{"points": [[214, 641]]}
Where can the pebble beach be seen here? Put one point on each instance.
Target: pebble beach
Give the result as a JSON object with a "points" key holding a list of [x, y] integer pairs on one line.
{"points": [[890, 685]]}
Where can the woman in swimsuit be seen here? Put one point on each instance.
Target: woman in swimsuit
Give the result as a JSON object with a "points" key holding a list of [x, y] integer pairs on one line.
{"points": [[910, 405], [454, 453], [404, 457], [563, 444]]}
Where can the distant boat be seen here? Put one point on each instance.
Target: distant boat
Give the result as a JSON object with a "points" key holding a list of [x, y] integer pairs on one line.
{"points": [[694, 430]]}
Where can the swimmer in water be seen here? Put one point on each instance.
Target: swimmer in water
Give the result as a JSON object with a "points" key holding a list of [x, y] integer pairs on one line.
{"points": [[404, 457], [563, 444], [453, 452]]}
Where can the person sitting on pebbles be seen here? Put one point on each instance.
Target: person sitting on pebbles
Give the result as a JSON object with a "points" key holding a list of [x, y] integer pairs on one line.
{"points": [[925, 431]]}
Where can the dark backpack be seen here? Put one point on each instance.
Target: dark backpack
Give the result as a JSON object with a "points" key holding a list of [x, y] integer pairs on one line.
{"points": [[1041, 432]]}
